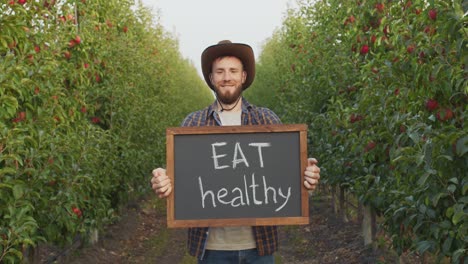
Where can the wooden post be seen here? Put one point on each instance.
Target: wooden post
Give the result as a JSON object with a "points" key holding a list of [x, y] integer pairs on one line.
{"points": [[368, 225], [93, 236]]}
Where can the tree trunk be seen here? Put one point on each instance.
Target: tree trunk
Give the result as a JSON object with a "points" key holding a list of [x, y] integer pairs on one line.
{"points": [[343, 207], [333, 195], [359, 212], [30, 255]]}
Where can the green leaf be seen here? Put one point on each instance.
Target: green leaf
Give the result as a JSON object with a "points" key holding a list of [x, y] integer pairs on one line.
{"points": [[447, 244], [454, 180], [458, 217], [10, 157], [423, 246], [458, 254], [462, 146], [420, 160], [422, 209], [449, 212], [4, 185], [3, 42], [447, 157], [8, 106], [436, 198], [415, 137], [7, 170], [451, 188], [446, 224], [422, 180], [15, 252], [18, 191], [28, 241]]}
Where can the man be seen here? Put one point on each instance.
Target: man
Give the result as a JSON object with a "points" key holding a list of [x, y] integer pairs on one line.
{"points": [[229, 69]]}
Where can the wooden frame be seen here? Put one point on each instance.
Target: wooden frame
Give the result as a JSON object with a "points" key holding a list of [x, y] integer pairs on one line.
{"points": [[171, 133]]}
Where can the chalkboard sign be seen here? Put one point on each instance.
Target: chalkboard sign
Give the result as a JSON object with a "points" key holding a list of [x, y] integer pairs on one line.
{"points": [[237, 175]]}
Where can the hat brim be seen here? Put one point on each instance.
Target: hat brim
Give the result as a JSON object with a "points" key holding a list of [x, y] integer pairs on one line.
{"points": [[241, 51]]}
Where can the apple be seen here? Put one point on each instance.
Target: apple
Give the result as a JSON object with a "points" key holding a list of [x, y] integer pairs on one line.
{"points": [[370, 146], [380, 7], [67, 55], [432, 14], [444, 114], [364, 50], [431, 104]]}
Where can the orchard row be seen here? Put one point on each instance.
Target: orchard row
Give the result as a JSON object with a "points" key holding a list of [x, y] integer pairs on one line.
{"points": [[87, 90], [382, 86]]}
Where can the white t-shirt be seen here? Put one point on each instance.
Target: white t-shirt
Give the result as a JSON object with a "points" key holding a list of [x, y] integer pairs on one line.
{"points": [[237, 237]]}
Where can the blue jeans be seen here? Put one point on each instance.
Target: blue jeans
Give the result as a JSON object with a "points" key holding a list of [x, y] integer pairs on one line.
{"points": [[247, 256]]}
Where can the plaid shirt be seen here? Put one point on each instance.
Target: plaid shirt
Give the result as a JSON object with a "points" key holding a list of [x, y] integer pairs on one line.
{"points": [[266, 237]]}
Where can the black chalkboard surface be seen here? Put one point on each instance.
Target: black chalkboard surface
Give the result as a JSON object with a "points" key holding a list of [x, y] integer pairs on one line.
{"points": [[237, 175]]}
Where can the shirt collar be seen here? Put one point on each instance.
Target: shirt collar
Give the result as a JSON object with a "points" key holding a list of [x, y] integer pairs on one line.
{"points": [[246, 106]]}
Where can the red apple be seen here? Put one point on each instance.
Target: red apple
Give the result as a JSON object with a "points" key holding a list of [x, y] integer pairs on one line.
{"points": [[354, 118], [407, 5], [444, 114], [386, 30], [67, 55], [370, 146], [72, 43], [431, 104], [95, 120], [77, 40], [380, 7], [430, 30], [77, 211], [432, 14], [364, 50]]}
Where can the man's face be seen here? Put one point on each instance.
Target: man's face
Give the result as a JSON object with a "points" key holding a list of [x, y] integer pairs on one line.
{"points": [[227, 77]]}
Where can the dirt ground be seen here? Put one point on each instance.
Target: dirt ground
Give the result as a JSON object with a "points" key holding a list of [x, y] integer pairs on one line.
{"points": [[141, 236]]}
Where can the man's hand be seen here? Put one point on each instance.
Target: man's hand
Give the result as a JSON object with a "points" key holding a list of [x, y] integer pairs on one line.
{"points": [[311, 174], [160, 183]]}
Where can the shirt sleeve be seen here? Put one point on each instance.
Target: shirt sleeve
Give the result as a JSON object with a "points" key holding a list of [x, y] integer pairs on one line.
{"points": [[193, 119], [268, 116]]}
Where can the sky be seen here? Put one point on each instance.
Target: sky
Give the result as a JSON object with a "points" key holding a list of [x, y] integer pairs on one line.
{"points": [[202, 23]]}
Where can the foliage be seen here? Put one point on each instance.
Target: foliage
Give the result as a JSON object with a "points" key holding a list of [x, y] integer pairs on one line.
{"points": [[383, 88], [87, 90]]}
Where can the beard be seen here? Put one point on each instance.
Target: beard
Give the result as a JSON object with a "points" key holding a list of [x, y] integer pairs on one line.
{"points": [[228, 97]]}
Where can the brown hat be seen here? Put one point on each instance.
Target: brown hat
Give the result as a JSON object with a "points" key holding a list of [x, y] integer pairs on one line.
{"points": [[226, 48]]}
